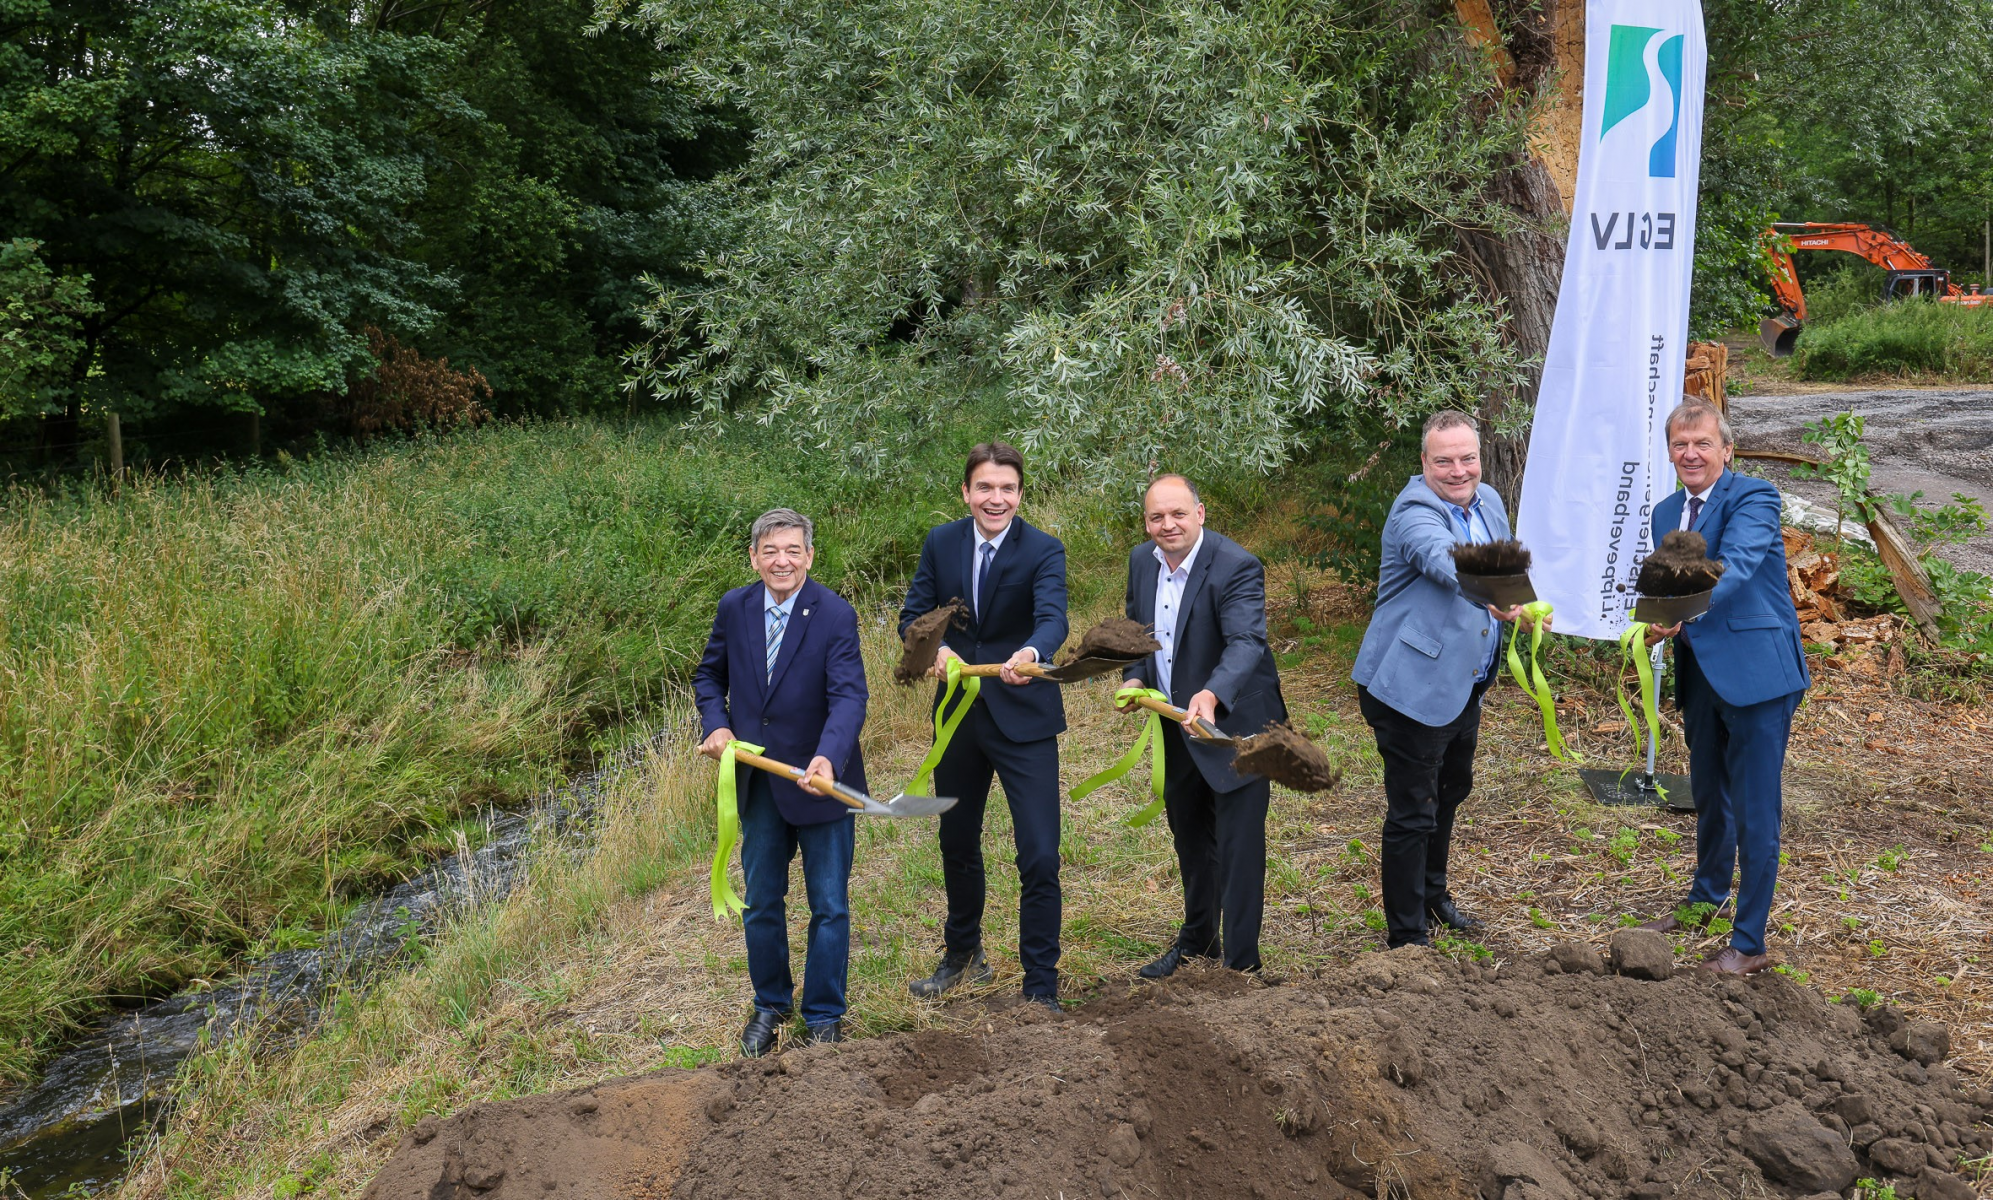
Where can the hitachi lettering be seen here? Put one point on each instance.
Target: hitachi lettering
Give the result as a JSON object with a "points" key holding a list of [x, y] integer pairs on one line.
{"points": [[1650, 231]]}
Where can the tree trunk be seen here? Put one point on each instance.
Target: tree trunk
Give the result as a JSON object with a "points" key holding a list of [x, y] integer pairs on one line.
{"points": [[1535, 46]]}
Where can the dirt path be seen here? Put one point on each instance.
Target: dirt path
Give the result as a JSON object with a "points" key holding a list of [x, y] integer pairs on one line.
{"points": [[1937, 441]]}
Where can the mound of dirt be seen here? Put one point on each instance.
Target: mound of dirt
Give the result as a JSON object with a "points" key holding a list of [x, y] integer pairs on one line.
{"points": [[1680, 566], [1491, 558], [1116, 637], [923, 638], [1284, 756], [1408, 1074]]}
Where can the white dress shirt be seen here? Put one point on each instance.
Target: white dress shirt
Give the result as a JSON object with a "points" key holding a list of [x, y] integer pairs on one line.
{"points": [[1169, 606]]}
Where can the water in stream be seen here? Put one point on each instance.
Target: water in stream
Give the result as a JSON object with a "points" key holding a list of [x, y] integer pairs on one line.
{"points": [[72, 1130]]}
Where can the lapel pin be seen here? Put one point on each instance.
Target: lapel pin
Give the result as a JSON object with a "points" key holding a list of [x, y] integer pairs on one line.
{"points": [[806, 612]]}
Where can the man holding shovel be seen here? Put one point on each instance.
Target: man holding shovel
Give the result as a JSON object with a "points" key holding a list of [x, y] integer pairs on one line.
{"points": [[1205, 596], [1013, 578], [782, 666], [1427, 658]]}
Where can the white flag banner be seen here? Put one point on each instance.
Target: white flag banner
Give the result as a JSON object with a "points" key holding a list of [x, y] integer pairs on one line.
{"points": [[1598, 460]]}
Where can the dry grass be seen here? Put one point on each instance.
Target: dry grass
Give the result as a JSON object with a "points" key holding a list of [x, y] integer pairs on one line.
{"points": [[631, 977]]}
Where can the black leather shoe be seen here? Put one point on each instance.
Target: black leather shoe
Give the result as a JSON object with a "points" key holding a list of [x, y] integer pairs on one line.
{"points": [[1443, 912], [955, 970], [1049, 1003], [1167, 965], [759, 1036], [824, 1034]]}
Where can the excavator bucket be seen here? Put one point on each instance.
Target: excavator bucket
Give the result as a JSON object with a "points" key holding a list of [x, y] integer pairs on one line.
{"points": [[1779, 335]]}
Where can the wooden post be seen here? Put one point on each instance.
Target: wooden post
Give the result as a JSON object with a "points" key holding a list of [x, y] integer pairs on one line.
{"points": [[115, 437]]}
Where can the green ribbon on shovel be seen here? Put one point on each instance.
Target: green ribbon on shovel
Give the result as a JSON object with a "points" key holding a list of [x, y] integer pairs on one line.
{"points": [[945, 723], [726, 901], [1633, 644], [1150, 739], [1539, 689]]}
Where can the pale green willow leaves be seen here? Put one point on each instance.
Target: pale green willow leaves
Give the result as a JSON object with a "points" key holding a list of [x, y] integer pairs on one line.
{"points": [[1183, 235]]}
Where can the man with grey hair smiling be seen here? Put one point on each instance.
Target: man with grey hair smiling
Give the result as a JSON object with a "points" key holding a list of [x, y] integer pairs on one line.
{"points": [[782, 667]]}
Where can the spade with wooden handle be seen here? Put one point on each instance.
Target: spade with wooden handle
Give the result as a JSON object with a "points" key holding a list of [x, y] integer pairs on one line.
{"points": [[1073, 672], [901, 805], [1203, 730]]}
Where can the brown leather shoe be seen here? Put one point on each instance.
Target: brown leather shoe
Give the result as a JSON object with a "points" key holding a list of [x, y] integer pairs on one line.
{"points": [[1667, 922], [1732, 961]]}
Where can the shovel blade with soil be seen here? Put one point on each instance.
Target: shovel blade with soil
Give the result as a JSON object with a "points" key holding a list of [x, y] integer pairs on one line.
{"points": [[1675, 581], [1108, 647], [901, 805], [1277, 752]]}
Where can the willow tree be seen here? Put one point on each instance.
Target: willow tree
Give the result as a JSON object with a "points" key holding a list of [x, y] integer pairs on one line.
{"points": [[1192, 235]]}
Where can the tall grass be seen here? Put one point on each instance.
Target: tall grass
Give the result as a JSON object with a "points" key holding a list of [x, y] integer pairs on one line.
{"points": [[231, 704], [1909, 337]]}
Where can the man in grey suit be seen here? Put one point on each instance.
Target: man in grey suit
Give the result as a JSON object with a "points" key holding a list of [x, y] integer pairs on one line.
{"points": [[1427, 658], [1205, 595]]}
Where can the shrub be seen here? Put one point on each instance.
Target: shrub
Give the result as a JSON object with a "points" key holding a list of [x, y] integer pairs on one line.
{"points": [[1909, 337]]}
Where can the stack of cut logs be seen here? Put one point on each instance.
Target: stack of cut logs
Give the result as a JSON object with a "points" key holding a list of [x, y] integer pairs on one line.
{"points": [[1814, 577]]}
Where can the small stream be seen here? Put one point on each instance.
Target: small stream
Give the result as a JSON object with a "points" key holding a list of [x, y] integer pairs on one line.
{"points": [[71, 1132]]}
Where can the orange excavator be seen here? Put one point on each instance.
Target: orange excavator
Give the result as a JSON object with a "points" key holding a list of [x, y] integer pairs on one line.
{"points": [[1909, 273]]}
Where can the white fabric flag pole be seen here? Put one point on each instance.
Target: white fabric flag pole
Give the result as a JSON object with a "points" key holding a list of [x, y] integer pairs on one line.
{"points": [[1598, 458]]}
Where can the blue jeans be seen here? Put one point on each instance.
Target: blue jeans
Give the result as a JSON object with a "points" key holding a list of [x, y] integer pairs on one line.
{"points": [[1736, 760], [768, 845]]}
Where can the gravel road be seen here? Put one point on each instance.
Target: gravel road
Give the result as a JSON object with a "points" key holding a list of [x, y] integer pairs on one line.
{"points": [[1937, 441]]}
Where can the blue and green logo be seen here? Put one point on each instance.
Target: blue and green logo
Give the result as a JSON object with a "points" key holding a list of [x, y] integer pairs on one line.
{"points": [[1629, 88]]}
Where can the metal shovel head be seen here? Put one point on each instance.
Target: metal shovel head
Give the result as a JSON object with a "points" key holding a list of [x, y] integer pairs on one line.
{"points": [[1502, 591], [904, 805], [1671, 610]]}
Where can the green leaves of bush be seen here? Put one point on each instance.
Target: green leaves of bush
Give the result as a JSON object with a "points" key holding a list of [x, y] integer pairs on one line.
{"points": [[1180, 235]]}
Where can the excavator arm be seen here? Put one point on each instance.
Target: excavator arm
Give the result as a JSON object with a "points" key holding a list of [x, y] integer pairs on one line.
{"points": [[1877, 246]]}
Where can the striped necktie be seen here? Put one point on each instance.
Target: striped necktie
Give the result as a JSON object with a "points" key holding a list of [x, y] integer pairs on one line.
{"points": [[1695, 511], [777, 619]]}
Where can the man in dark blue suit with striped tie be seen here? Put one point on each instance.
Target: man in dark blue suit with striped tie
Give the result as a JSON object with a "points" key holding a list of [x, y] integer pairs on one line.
{"points": [[1740, 674], [1014, 577], [782, 666]]}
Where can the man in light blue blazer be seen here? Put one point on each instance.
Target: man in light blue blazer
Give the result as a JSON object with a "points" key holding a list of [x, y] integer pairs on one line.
{"points": [[1427, 658], [1740, 671]]}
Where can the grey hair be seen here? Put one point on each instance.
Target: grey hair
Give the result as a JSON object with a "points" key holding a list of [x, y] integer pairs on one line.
{"points": [[782, 518], [1694, 410], [1447, 418]]}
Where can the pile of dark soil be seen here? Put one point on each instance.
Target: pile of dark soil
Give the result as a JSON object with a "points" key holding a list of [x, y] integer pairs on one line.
{"points": [[1408, 1074], [923, 638], [1284, 756], [1491, 558], [1116, 637], [1679, 566]]}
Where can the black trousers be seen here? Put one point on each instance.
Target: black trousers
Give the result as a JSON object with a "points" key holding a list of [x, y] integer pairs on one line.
{"points": [[1030, 775], [1221, 853], [1428, 771]]}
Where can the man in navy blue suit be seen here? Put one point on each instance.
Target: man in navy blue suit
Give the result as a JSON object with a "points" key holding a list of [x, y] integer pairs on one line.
{"points": [[1740, 674], [1014, 578], [782, 667]]}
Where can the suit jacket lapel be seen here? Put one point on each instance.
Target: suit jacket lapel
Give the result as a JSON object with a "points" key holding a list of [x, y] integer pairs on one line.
{"points": [[754, 616], [1711, 514], [792, 634], [969, 544]]}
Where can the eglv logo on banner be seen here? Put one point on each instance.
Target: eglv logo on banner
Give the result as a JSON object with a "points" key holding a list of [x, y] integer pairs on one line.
{"points": [[1629, 88]]}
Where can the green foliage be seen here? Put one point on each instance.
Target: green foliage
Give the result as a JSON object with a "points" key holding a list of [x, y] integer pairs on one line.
{"points": [[40, 317], [233, 703], [1839, 439], [1908, 337], [559, 182], [1352, 483], [232, 178], [1182, 236], [1848, 289], [1845, 110]]}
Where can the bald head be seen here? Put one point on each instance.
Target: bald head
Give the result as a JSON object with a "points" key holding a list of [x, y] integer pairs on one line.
{"points": [[1173, 516]]}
